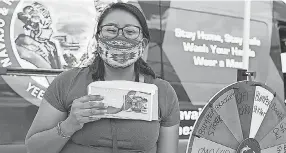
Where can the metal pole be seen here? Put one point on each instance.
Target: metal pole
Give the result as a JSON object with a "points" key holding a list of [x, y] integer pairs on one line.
{"points": [[161, 41], [246, 33]]}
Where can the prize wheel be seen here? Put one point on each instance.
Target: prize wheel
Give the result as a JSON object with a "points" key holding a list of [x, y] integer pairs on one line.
{"points": [[244, 117]]}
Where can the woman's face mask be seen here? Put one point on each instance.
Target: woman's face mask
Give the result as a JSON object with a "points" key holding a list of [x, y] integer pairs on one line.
{"points": [[120, 52]]}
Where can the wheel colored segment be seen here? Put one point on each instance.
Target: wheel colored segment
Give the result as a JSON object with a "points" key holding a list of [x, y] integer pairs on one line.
{"points": [[213, 128], [276, 149], [244, 94], [202, 145], [274, 116], [262, 101], [275, 137], [223, 105]]}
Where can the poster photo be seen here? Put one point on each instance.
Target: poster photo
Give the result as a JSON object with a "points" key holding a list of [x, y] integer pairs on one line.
{"points": [[50, 35]]}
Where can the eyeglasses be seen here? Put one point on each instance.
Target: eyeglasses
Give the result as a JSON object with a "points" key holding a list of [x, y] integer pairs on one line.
{"points": [[112, 31]]}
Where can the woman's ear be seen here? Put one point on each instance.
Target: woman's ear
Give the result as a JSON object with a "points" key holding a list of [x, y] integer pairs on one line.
{"points": [[146, 48], [145, 43]]}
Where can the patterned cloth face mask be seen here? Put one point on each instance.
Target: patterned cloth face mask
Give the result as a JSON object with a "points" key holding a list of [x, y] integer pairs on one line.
{"points": [[120, 52]]}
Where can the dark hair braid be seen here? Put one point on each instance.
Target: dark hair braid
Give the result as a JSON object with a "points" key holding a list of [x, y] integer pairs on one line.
{"points": [[97, 67], [140, 66]]}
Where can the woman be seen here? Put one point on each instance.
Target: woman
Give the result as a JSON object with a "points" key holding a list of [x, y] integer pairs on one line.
{"points": [[64, 123]]}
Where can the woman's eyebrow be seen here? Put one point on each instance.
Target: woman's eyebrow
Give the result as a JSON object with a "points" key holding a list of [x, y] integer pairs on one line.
{"points": [[132, 25], [118, 26], [110, 24]]}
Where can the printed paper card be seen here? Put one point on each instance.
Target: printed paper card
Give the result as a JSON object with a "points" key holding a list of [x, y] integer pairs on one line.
{"points": [[127, 99]]}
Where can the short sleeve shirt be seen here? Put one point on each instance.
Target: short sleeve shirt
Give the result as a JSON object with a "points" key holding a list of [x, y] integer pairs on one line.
{"points": [[98, 137]]}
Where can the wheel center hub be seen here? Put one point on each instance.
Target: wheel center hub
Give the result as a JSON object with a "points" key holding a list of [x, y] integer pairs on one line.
{"points": [[249, 145]]}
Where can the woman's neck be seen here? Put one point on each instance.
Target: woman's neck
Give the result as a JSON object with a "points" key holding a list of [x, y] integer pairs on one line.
{"points": [[119, 74]]}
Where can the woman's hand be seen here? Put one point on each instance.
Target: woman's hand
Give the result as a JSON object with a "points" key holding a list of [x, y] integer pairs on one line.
{"points": [[83, 110]]}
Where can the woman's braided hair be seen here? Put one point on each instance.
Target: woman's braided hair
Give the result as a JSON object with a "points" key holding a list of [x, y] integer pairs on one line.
{"points": [[140, 66]]}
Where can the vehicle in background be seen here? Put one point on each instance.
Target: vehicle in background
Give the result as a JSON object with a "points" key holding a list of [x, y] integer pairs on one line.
{"points": [[196, 46]]}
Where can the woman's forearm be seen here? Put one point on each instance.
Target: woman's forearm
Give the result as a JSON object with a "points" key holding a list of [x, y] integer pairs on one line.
{"points": [[47, 141]]}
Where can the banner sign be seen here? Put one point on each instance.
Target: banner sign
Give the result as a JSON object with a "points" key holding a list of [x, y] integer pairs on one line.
{"points": [[188, 118], [210, 48], [44, 34]]}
